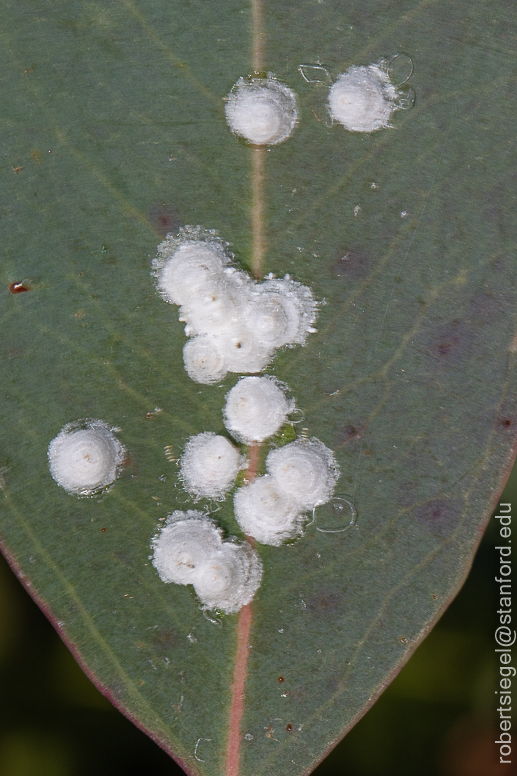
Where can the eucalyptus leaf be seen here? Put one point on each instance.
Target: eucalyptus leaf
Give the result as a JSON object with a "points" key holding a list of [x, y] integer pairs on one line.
{"points": [[113, 134]]}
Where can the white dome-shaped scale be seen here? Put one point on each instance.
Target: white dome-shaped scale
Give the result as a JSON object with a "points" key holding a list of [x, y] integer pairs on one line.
{"points": [[267, 513], [190, 273], [189, 551], [281, 312], [231, 579], [185, 546], [204, 360], [213, 311], [261, 110], [305, 470], [267, 318], [188, 262], [210, 465], [85, 457], [362, 99], [243, 351], [255, 409]]}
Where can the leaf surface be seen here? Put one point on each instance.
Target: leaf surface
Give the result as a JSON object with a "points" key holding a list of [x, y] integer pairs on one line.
{"points": [[113, 133]]}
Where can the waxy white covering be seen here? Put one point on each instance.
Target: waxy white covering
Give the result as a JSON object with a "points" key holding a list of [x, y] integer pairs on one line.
{"points": [[261, 110], [189, 550], [301, 476], [210, 465], [235, 323], [362, 99], [256, 408], [85, 457]]}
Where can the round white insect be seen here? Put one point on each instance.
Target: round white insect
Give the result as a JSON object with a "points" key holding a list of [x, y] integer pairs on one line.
{"points": [[362, 99], [255, 409], [266, 512], [190, 270], [85, 457], [281, 312], [185, 546], [213, 311], [210, 465], [204, 359], [243, 351], [231, 579], [189, 550], [261, 110], [305, 471]]}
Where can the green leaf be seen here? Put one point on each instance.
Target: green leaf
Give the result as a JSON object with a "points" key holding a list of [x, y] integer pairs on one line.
{"points": [[113, 133]]}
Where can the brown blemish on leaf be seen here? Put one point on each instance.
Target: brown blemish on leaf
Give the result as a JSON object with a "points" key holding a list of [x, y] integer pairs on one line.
{"points": [[452, 344], [36, 155], [468, 337], [165, 641], [281, 679], [289, 727], [164, 218], [350, 433], [17, 169], [440, 517], [325, 603]]}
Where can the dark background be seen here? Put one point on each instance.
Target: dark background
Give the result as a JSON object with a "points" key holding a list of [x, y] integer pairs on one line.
{"points": [[436, 719]]}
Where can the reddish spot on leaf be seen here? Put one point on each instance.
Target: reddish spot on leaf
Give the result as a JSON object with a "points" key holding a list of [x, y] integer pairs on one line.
{"points": [[281, 679], [325, 603], [453, 343], [165, 641], [18, 288], [164, 218], [103, 530], [350, 433], [440, 516]]}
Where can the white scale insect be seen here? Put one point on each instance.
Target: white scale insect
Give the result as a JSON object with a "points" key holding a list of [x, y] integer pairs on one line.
{"points": [[261, 110], [234, 324], [85, 457]]}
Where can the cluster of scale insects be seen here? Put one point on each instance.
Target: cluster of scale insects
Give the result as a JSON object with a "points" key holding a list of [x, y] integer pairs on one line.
{"points": [[235, 324]]}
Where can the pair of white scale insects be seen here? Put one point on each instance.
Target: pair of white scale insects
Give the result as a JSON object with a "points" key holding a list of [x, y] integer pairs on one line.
{"points": [[235, 324]]}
